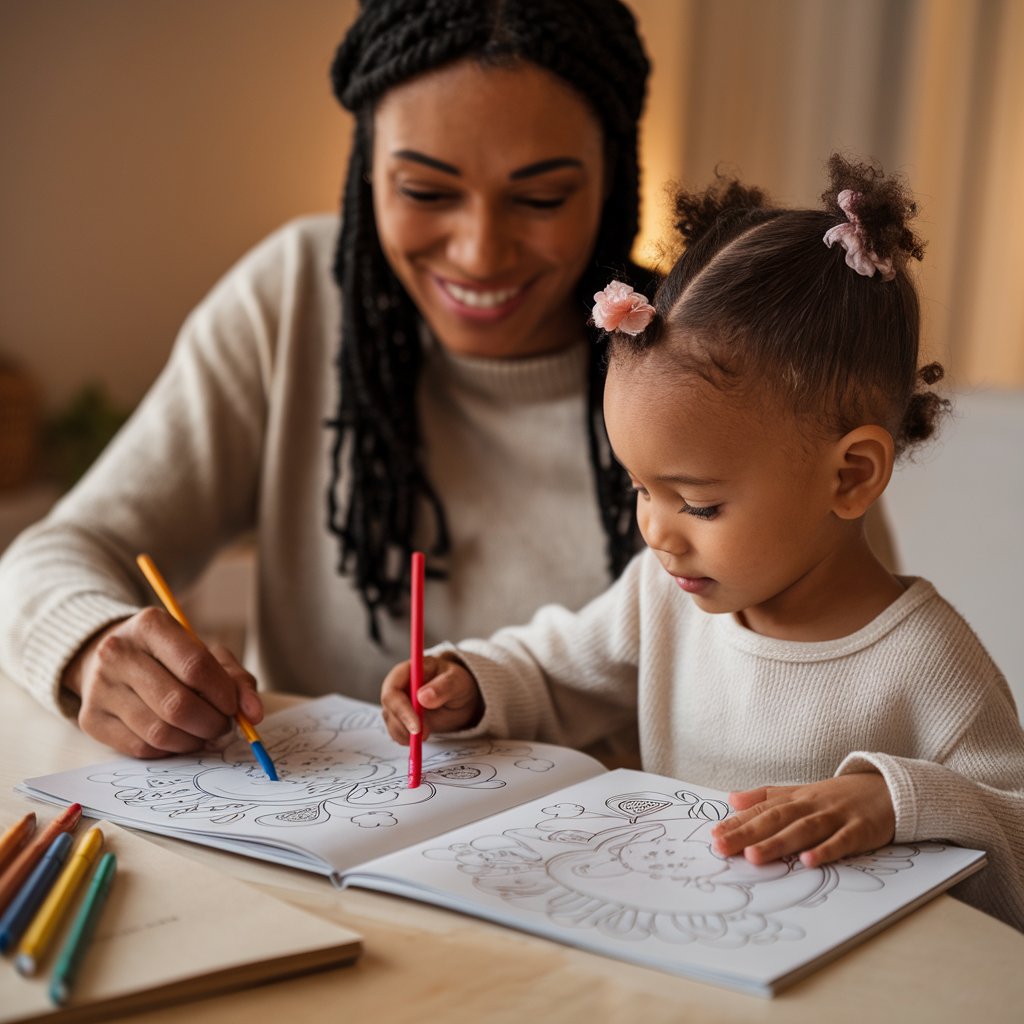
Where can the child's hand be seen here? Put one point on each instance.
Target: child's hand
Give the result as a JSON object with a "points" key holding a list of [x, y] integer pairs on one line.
{"points": [[449, 696], [822, 821]]}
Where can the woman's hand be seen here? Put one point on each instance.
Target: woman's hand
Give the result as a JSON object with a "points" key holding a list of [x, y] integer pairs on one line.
{"points": [[822, 821], [149, 687], [450, 698]]}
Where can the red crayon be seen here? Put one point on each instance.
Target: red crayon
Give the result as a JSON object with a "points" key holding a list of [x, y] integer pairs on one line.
{"points": [[21, 867], [16, 837], [416, 668]]}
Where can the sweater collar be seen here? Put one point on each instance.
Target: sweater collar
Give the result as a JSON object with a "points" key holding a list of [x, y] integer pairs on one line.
{"points": [[917, 592], [540, 378]]}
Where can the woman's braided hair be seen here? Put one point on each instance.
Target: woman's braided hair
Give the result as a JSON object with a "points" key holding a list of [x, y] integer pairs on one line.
{"points": [[593, 45]]}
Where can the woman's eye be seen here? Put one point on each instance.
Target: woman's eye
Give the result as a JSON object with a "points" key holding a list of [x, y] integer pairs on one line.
{"points": [[538, 203], [423, 195], [640, 491], [701, 512]]}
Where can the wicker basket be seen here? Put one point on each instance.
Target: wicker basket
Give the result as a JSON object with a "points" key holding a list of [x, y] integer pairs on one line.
{"points": [[19, 426]]}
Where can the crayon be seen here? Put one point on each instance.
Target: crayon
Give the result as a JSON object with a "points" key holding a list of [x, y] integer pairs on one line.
{"points": [[21, 867], [66, 970], [41, 932]]}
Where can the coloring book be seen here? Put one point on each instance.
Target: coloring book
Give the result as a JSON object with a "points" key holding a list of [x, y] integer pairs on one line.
{"points": [[528, 835]]}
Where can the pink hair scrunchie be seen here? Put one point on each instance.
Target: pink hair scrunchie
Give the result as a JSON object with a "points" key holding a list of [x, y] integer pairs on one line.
{"points": [[618, 308], [851, 237]]}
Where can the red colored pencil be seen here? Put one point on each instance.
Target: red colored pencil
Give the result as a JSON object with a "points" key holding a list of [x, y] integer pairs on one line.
{"points": [[21, 867], [15, 837], [416, 668]]}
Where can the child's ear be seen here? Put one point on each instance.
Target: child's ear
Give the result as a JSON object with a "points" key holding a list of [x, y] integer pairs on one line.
{"points": [[863, 465]]}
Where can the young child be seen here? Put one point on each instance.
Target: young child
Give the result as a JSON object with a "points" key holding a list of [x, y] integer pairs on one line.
{"points": [[758, 642]]}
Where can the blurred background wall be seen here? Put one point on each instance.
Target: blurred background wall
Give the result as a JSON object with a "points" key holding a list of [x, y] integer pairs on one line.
{"points": [[145, 146]]}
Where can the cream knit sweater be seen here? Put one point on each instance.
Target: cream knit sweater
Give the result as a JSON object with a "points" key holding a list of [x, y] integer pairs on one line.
{"points": [[231, 439], [913, 695]]}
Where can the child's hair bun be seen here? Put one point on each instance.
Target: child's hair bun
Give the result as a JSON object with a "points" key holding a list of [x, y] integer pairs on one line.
{"points": [[884, 207], [924, 410], [725, 202]]}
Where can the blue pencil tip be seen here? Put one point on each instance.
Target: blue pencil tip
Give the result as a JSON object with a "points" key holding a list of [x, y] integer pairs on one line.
{"points": [[264, 759]]}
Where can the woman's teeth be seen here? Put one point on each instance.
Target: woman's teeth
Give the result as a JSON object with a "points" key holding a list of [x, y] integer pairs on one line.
{"points": [[479, 299]]}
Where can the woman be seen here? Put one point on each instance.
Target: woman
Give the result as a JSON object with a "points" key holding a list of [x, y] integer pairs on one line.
{"points": [[492, 189]]}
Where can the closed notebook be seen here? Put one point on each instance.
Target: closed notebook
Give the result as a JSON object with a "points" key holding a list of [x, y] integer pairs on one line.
{"points": [[173, 930]]}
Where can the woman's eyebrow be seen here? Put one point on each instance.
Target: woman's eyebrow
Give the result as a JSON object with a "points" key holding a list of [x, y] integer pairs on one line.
{"points": [[429, 161], [543, 166], [529, 171]]}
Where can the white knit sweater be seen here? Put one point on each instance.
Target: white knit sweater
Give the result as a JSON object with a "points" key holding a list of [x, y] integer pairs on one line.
{"points": [[913, 695], [231, 439]]}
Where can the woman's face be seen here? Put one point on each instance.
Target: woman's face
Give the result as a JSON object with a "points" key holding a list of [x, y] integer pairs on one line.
{"points": [[488, 185]]}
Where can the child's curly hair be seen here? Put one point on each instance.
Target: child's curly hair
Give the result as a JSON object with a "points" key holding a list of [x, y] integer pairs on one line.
{"points": [[758, 299]]}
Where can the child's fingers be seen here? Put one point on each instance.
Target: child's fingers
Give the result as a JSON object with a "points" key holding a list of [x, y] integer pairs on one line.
{"points": [[748, 798], [450, 686], [394, 701], [802, 833], [755, 823], [839, 844]]}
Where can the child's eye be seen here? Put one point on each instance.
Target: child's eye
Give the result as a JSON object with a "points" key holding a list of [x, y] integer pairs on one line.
{"points": [[701, 512]]}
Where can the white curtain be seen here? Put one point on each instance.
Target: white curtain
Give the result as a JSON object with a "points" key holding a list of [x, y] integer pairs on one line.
{"points": [[933, 89]]}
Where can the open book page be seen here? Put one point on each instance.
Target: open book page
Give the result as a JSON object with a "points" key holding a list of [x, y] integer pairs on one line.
{"points": [[622, 865], [342, 796], [173, 929]]}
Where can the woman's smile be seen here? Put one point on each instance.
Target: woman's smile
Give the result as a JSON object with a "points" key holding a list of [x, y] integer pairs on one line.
{"points": [[478, 303]]}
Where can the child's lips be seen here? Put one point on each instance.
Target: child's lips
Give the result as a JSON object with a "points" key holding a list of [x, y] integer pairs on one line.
{"points": [[693, 584]]}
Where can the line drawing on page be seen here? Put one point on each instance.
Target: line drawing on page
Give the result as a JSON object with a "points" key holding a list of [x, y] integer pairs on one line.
{"points": [[642, 866], [338, 766]]}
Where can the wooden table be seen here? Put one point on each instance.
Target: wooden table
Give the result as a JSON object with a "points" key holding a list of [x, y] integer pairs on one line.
{"points": [[945, 962]]}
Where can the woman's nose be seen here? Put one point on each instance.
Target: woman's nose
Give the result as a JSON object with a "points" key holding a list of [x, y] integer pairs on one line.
{"points": [[480, 245]]}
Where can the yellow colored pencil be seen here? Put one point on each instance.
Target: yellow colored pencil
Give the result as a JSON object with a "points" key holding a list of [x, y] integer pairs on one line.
{"points": [[40, 933], [167, 598]]}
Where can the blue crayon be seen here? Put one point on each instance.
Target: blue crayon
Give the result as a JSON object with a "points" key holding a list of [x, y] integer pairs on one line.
{"points": [[22, 908]]}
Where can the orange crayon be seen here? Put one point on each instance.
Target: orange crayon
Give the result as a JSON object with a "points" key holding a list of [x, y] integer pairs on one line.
{"points": [[16, 837], [21, 867]]}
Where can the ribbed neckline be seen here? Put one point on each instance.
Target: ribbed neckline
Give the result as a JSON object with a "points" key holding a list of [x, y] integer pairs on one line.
{"points": [[533, 379], [739, 637]]}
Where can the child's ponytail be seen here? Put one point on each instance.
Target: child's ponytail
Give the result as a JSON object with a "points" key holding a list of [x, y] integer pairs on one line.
{"points": [[884, 208], [924, 410], [725, 203]]}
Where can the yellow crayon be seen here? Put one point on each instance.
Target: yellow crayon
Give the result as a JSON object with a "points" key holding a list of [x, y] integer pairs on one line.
{"points": [[40, 933]]}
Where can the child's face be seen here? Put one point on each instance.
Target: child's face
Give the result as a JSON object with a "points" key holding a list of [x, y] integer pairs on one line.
{"points": [[732, 499]]}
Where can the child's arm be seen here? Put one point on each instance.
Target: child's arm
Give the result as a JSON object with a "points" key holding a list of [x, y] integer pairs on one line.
{"points": [[565, 677], [450, 698], [821, 821]]}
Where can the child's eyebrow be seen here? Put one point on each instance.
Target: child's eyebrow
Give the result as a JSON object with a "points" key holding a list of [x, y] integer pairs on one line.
{"points": [[690, 481]]}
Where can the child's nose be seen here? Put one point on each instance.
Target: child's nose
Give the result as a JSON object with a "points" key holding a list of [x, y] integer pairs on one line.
{"points": [[663, 531]]}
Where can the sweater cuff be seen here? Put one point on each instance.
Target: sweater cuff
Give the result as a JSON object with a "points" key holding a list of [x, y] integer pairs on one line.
{"points": [[57, 636], [901, 789]]}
